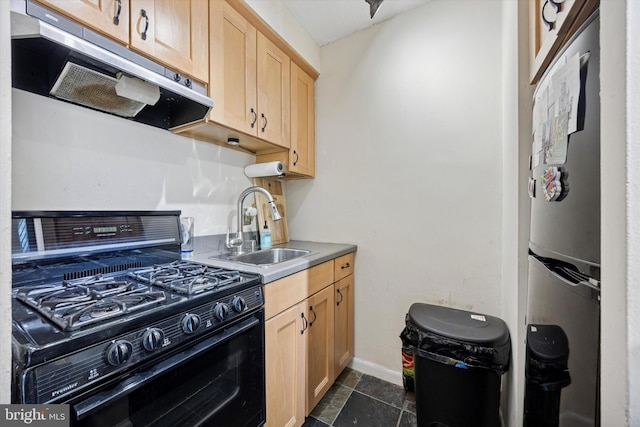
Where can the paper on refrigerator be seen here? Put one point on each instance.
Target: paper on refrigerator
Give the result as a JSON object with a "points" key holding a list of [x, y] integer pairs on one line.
{"points": [[555, 112], [564, 92]]}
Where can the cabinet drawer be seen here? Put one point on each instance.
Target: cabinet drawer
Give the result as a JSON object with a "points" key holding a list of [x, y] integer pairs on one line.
{"points": [[344, 266], [290, 290]]}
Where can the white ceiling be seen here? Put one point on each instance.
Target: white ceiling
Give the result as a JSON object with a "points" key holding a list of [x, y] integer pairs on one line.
{"points": [[329, 20]]}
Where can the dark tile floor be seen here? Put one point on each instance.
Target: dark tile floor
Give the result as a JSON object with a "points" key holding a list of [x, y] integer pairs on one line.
{"points": [[360, 399]]}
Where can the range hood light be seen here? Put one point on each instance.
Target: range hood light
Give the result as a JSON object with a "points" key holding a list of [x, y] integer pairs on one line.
{"points": [[137, 90]]}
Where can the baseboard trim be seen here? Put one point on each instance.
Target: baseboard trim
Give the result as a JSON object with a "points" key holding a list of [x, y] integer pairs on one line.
{"points": [[376, 370]]}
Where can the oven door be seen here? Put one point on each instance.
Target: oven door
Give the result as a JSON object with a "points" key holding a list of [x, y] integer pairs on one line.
{"points": [[216, 382]]}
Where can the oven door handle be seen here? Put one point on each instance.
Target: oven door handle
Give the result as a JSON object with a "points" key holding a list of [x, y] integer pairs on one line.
{"points": [[90, 405]]}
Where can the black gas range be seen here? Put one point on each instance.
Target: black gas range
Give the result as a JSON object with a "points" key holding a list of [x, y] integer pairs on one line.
{"points": [[107, 315]]}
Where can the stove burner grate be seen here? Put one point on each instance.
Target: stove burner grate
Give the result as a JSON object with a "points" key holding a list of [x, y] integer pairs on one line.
{"points": [[73, 304], [78, 303], [187, 278]]}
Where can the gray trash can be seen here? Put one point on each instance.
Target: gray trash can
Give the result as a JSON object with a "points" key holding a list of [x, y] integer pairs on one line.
{"points": [[460, 357]]}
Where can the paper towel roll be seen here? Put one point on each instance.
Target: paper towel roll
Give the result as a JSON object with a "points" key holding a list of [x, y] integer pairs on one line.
{"points": [[265, 169]]}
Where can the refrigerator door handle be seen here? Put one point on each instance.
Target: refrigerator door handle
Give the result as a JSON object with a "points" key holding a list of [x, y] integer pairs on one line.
{"points": [[569, 276], [569, 282]]}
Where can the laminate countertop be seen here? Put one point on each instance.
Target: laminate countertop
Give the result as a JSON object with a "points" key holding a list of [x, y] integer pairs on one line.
{"points": [[208, 248]]}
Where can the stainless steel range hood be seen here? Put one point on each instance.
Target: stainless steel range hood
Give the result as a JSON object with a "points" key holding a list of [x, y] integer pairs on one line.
{"points": [[53, 56]]}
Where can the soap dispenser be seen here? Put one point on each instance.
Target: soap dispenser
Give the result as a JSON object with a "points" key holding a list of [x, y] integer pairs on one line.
{"points": [[265, 237]]}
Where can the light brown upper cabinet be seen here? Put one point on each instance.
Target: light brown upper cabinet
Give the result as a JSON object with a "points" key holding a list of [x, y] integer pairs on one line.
{"points": [[300, 158], [551, 24], [233, 68], [107, 17], [171, 32], [274, 102], [249, 77], [262, 91], [176, 32], [303, 124]]}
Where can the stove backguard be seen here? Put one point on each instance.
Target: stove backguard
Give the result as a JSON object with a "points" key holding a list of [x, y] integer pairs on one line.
{"points": [[62, 245]]}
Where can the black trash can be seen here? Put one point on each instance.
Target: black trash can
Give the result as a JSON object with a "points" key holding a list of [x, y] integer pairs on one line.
{"points": [[460, 357], [546, 374], [409, 343]]}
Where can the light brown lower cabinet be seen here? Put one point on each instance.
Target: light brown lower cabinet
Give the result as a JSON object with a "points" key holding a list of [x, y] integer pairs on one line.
{"points": [[343, 339], [285, 368], [320, 333], [299, 341], [309, 340]]}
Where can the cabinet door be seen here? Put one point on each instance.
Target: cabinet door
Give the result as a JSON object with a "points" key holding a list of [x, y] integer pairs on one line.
{"points": [[108, 17], [233, 69], [173, 32], [551, 24], [320, 313], [343, 340], [285, 368], [303, 142], [274, 70]]}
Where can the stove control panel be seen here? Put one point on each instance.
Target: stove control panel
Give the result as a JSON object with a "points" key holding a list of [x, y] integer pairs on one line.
{"points": [[54, 234], [69, 374]]}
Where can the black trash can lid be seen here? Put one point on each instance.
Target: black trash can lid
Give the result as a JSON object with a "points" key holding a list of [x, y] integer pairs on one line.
{"points": [[547, 342], [459, 325]]}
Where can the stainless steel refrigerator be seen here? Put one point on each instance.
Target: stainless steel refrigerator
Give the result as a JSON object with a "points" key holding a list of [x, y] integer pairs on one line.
{"points": [[563, 303]]}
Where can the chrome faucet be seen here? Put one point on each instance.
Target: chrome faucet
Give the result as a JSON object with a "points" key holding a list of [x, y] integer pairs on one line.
{"points": [[237, 242]]}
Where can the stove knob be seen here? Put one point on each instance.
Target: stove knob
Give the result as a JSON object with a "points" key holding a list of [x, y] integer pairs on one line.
{"points": [[152, 339], [220, 311], [239, 304], [119, 352], [190, 323]]}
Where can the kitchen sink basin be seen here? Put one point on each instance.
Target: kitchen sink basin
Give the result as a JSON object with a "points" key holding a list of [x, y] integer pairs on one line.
{"points": [[267, 256]]}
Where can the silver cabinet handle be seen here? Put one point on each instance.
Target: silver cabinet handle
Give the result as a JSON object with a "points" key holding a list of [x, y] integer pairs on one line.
{"points": [[265, 122], [255, 118], [116, 17], [315, 316], [306, 323], [143, 13]]}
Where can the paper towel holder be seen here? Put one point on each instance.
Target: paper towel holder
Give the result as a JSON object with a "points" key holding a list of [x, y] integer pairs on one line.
{"points": [[269, 169]]}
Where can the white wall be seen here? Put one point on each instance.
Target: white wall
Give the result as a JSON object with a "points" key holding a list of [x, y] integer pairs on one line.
{"points": [[516, 136], [620, 163], [409, 167], [633, 209], [68, 157], [5, 203], [284, 23]]}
